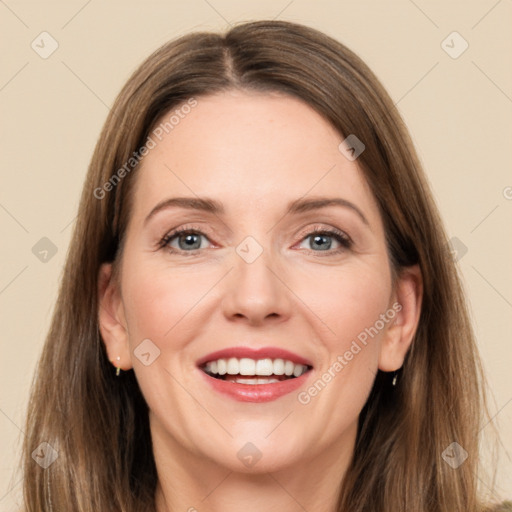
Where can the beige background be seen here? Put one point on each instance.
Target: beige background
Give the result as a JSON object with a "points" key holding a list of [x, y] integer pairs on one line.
{"points": [[459, 111]]}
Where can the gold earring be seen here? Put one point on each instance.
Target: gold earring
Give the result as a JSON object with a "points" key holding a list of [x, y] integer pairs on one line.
{"points": [[118, 368], [395, 379]]}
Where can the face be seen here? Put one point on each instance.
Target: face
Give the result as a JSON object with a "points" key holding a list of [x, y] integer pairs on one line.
{"points": [[281, 267]]}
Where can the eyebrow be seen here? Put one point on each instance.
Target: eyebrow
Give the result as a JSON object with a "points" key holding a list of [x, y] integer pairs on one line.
{"points": [[215, 207]]}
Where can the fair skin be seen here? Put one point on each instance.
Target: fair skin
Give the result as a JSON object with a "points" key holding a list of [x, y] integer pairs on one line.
{"points": [[254, 153]]}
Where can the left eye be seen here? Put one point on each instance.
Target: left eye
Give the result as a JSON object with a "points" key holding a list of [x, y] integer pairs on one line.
{"points": [[322, 240]]}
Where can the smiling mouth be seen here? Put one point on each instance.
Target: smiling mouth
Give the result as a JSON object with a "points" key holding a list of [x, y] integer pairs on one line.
{"points": [[252, 371]]}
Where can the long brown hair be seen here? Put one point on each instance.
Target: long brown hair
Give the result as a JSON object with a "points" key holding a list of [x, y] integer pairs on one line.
{"points": [[98, 424]]}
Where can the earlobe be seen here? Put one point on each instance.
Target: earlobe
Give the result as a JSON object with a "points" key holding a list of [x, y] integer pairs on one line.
{"points": [[407, 300], [111, 319]]}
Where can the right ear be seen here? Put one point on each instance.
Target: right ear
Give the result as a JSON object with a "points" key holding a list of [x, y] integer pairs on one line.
{"points": [[111, 319]]}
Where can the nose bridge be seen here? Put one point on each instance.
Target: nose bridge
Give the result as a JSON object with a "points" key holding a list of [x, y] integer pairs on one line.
{"points": [[255, 290]]}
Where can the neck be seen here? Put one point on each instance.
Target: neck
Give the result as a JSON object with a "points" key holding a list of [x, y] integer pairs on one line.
{"points": [[189, 482]]}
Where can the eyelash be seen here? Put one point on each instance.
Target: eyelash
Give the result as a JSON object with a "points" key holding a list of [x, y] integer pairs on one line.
{"points": [[343, 239]]}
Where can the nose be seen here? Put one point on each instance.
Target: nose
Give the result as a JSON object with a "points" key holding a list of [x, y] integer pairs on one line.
{"points": [[256, 292]]}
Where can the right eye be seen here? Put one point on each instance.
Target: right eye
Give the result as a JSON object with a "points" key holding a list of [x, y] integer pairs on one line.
{"points": [[183, 240]]}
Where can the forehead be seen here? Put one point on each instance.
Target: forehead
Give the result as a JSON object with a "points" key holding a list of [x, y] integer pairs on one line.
{"points": [[246, 149]]}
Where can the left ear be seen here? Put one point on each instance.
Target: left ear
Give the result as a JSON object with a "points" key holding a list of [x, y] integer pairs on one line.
{"points": [[406, 301]]}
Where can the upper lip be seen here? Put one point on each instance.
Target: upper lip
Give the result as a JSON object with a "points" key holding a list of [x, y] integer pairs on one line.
{"points": [[254, 353]]}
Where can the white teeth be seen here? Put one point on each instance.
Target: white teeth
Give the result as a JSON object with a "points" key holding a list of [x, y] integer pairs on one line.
{"points": [[298, 370], [264, 367], [288, 368], [232, 366], [278, 367], [247, 366], [221, 367]]}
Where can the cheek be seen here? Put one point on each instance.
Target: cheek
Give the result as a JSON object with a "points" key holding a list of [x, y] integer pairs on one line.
{"points": [[161, 304], [156, 299], [145, 301], [351, 312], [350, 302], [362, 301]]}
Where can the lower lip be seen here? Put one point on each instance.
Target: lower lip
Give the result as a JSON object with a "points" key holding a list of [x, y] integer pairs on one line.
{"points": [[255, 392]]}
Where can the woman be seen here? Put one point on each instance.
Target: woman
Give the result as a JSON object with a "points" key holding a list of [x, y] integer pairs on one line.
{"points": [[258, 308]]}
